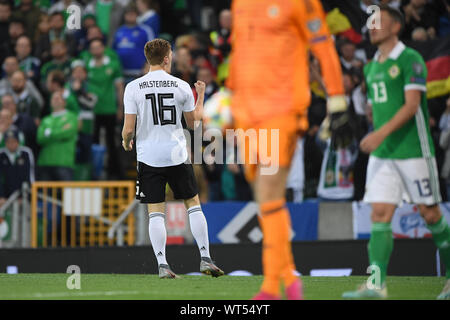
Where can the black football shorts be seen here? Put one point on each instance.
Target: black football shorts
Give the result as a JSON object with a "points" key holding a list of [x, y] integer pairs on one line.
{"points": [[151, 183]]}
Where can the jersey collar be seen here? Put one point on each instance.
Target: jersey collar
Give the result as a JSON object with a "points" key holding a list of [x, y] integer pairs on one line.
{"points": [[395, 53], [59, 113], [106, 60], [156, 71]]}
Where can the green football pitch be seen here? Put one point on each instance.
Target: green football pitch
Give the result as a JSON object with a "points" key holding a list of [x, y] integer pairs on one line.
{"points": [[136, 287]]}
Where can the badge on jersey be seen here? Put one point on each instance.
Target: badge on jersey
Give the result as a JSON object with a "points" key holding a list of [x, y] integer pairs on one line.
{"points": [[273, 11], [418, 68], [394, 71], [314, 25]]}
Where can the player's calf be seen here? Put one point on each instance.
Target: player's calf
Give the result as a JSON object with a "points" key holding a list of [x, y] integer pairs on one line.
{"points": [[431, 214], [440, 231], [199, 229]]}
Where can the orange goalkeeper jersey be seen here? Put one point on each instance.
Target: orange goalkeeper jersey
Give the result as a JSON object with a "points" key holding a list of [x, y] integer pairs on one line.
{"points": [[269, 73]]}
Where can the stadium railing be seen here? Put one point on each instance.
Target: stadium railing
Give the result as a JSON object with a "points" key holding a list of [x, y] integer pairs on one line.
{"points": [[176, 219], [15, 213], [79, 214], [118, 227]]}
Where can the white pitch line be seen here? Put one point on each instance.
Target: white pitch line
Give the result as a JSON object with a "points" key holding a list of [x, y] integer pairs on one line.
{"points": [[72, 294], [39, 295]]}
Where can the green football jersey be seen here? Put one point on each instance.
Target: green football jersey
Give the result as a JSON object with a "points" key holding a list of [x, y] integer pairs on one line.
{"points": [[57, 135], [386, 83], [101, 81]]}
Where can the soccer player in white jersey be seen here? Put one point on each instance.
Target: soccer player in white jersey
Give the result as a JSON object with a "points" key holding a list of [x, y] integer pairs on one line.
{"points": [[155, 103], [402, 165]]}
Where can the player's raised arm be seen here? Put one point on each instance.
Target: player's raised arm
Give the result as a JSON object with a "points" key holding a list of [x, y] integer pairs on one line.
{"points": [[197, 113], [314, 27]]}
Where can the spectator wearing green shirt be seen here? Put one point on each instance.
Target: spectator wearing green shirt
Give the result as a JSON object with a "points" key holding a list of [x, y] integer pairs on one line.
{"points": [[56, 82], [60, 61], [94, 32], [106, 81], [57, 136]]}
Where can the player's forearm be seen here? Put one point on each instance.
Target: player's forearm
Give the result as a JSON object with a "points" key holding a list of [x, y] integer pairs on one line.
{"points": [[330, 65], [198, 112], [399, 120], [404, 114], [120, 91]]}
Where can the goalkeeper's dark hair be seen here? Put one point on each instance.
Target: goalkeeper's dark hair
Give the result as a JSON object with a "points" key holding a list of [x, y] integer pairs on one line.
{"points": [[395, 14]]}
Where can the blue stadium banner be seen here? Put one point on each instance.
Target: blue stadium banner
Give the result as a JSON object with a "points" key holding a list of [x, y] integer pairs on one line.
{"points": [[406, 222], [237, 222]]}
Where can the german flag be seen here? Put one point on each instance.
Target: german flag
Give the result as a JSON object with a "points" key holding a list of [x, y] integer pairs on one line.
{"points": [[436, 54], [345, 18]]}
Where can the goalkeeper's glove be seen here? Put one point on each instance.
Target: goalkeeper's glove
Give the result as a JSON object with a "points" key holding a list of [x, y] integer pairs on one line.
{"points": [[339, 125]]}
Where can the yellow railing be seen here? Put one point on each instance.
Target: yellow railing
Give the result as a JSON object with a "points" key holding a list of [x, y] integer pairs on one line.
{"points": [[80, 213]]}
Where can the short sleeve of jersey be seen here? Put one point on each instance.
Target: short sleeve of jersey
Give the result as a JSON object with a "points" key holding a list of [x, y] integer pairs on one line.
{"points": [[414, 71], [117, 72], [128, 100], [188, 104]]}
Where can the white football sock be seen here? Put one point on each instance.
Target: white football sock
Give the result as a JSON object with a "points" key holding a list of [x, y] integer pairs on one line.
{"points": [[158, 236], [199, 229]]}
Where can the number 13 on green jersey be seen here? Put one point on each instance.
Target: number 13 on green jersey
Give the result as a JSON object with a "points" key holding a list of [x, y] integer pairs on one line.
{"points": [[386, 85]]}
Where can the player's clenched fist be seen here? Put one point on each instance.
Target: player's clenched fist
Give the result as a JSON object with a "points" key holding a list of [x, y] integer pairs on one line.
{"points": [[200, 87], [129, 146]]}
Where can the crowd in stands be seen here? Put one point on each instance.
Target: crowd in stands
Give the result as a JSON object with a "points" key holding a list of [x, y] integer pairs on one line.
{"points": [[61, 89]]}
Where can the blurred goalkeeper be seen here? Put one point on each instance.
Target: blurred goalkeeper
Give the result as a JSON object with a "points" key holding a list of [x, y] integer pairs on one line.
{"points": [[269, 78]]}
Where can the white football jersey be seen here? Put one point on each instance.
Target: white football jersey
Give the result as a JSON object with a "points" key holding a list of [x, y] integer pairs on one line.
{"points": [[159, 100]]}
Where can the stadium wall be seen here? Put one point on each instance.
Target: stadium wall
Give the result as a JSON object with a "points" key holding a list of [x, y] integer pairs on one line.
{"points": [[411, 257]]}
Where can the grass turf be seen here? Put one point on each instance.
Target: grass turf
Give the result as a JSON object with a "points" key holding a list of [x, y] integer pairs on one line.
{"points": [[136, 287]]}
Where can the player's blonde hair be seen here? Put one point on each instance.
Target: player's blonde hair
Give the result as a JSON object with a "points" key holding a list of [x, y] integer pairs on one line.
{"points": [[156, 50]]}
